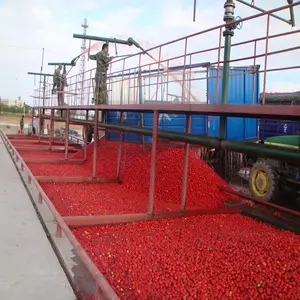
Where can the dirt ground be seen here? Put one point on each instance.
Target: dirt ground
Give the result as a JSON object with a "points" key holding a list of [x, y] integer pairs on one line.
{"points": [[9, 120]]}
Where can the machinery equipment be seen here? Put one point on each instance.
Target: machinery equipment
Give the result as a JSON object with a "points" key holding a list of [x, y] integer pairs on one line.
{"points": [[268, 178]]}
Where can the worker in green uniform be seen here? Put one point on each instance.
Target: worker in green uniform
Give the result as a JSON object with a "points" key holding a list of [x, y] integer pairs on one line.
{"points": [[56, 79], [103, 60]]}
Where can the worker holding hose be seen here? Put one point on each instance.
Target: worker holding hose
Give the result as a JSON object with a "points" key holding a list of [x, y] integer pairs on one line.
{"points": [[103, 60], [56, 79]]}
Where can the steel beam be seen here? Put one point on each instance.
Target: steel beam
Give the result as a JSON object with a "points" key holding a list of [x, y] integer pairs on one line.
{"points": [[58, 161], [43, 142], [99, 220], [276, 152], [229, 110], [57, 150], [75, 179], [265, 203]]}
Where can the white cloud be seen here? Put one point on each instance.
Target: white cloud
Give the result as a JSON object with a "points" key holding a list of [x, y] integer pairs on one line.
{"points": [[34, 24]]}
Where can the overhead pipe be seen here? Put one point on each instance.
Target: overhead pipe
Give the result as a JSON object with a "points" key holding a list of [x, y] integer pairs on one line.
{"points": [[39, 74], [261, 150], [60, 63], [290, 22], [130, 41]]}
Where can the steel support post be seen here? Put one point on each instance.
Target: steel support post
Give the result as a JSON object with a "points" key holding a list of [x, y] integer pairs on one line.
{"points": [[266, 59], [86, 128], [40, 127], [95, 154], [153, 164], [185, 166], [44, 90], [32, 116], [51, 135], [67, 134], [254, 72], [228, 33], [120, 147]]}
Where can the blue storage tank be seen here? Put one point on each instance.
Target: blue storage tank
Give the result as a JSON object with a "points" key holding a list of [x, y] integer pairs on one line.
{"points": [[239, 92], [130, 118], [269, 128], [176, 122]]}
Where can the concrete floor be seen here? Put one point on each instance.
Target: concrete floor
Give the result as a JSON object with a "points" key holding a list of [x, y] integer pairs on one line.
{"points": [[29, 268]]}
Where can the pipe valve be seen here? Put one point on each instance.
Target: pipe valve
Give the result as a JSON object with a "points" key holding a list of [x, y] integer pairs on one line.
{"points": [[229, 11]]}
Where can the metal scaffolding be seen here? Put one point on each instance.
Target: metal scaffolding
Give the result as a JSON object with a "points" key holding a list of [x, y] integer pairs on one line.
{"points": [[140, 83]]}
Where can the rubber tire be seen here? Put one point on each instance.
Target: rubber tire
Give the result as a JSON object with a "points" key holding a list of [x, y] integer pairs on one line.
{"points": [[273, 179]]}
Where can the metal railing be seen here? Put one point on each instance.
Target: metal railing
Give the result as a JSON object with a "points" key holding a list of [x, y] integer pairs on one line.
{"points": [[180, 69]]}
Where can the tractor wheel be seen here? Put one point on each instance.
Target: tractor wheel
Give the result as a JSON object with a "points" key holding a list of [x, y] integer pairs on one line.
{"points": [[264, 182]]}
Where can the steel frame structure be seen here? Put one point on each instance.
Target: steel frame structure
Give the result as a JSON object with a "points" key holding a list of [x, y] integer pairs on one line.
{"points": [[120, 73], [224, 110], [64, 224], [131, 67]]}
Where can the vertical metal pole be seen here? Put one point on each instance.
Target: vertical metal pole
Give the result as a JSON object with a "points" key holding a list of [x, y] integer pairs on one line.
{"points": [[266, 59], [40, 127], [292, 20], [86, 127], [183, 75], [228, 33], [158, 67], [190, 82], [226, 69], [120, 147], [185, 165], [153, 164], [140, 83], [149, 80], [254, 72], [218, 68], [67, 133], [95, 155], [32, 116], [194, 12], [44, 90], [168, 62], [135, 87], [122, 83], [51, 129]]}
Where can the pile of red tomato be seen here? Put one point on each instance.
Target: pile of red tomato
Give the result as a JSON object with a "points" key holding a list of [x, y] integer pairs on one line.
{"points": [[208, 257], [132, 195]]}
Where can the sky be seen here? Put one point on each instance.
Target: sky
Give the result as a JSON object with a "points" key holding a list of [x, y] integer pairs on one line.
{"points": [[30, 25]]}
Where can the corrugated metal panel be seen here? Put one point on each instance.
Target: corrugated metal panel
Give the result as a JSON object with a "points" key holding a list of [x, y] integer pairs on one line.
{"points": [[130, 118], [174, 122], [269, 128], [239, 92]]}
